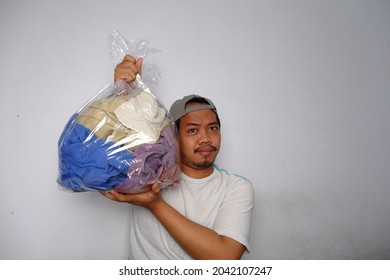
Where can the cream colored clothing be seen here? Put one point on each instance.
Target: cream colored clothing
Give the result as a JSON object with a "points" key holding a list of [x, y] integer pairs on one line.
{"points": [[142, 113], [108, 120]]}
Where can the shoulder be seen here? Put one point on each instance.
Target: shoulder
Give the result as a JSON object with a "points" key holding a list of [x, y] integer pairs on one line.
{"points": [[233, 182], [230, 177]]}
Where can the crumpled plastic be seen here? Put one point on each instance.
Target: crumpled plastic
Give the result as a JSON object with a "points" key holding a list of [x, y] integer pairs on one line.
{"points": [[123, 138]]}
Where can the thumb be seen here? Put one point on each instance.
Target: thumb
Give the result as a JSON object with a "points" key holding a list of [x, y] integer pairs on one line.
{"points": [[156, 187], [138, 65]]}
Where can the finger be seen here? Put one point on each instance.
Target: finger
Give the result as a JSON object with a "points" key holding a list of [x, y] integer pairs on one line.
{"points": [[127, 76], [129, 58], [117, 196], [127, 66], [107, 194], [138, 65], [125, 71], [114, 195]]}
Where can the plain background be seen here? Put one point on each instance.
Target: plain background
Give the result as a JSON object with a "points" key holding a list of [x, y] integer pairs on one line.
{"points": [[303, 92]]}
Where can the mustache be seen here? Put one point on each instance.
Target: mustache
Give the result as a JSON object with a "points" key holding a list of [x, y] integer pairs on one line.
{"points": [[214, 149]]}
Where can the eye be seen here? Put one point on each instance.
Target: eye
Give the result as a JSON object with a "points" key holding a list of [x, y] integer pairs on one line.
{"points": [[214, 127], [192, 130]]}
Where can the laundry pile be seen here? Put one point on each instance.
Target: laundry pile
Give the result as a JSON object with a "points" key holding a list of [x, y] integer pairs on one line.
{"points": [[122, 139]]}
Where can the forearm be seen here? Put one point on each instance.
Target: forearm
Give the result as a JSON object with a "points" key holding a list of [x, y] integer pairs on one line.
{"points": [[198, 241]]}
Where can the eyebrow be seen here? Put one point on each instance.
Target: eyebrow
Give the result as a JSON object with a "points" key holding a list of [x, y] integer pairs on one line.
{"points": [[198, 124], [192, 124]]}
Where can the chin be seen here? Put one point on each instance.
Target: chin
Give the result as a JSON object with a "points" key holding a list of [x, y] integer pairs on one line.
{"points": [[204, 164]]}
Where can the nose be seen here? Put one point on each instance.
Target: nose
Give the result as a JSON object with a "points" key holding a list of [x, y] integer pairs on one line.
{"points": [[205, 137]]}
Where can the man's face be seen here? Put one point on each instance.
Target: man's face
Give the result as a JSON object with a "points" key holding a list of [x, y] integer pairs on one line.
{"points": [[199, 139]]}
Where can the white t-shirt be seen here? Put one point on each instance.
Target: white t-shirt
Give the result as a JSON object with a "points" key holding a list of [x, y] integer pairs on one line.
{"points": [[221, 201]]}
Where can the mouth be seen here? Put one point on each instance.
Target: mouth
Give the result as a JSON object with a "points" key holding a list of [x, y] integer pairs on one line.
{"points": [[205, 151]]}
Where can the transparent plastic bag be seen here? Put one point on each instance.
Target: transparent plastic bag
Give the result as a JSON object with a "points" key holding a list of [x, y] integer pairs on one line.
{"points": [[120, 46], [122, 138]]}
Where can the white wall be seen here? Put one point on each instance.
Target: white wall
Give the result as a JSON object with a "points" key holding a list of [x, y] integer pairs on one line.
{"points": [[302, 87]]}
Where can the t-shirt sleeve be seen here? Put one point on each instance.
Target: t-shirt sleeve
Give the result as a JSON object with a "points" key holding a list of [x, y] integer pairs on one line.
{"points": [[235, 214]]}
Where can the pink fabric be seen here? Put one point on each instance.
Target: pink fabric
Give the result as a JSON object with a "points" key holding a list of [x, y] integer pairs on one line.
{"points": [[153, 162]]}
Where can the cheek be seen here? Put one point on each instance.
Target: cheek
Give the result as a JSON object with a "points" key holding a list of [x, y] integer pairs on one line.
{"points": [[186, 151], [185, 144], [217, 140]]}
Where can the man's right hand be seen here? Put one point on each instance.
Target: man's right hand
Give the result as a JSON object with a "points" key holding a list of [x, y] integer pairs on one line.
{"points": [[128, 69], [148, 199]]}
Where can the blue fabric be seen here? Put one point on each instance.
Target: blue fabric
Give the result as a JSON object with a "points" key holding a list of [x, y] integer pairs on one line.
{"points": [[85, 163]]}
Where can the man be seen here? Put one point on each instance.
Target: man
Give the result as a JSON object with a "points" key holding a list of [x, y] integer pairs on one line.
{"points": [[208, 215]]}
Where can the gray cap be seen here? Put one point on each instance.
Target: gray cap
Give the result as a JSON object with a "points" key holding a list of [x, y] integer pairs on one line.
{"points": [[178, 108]]}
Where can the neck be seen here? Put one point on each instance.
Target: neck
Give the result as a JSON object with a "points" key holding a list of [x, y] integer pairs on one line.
{"points": [[197, 173]]}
